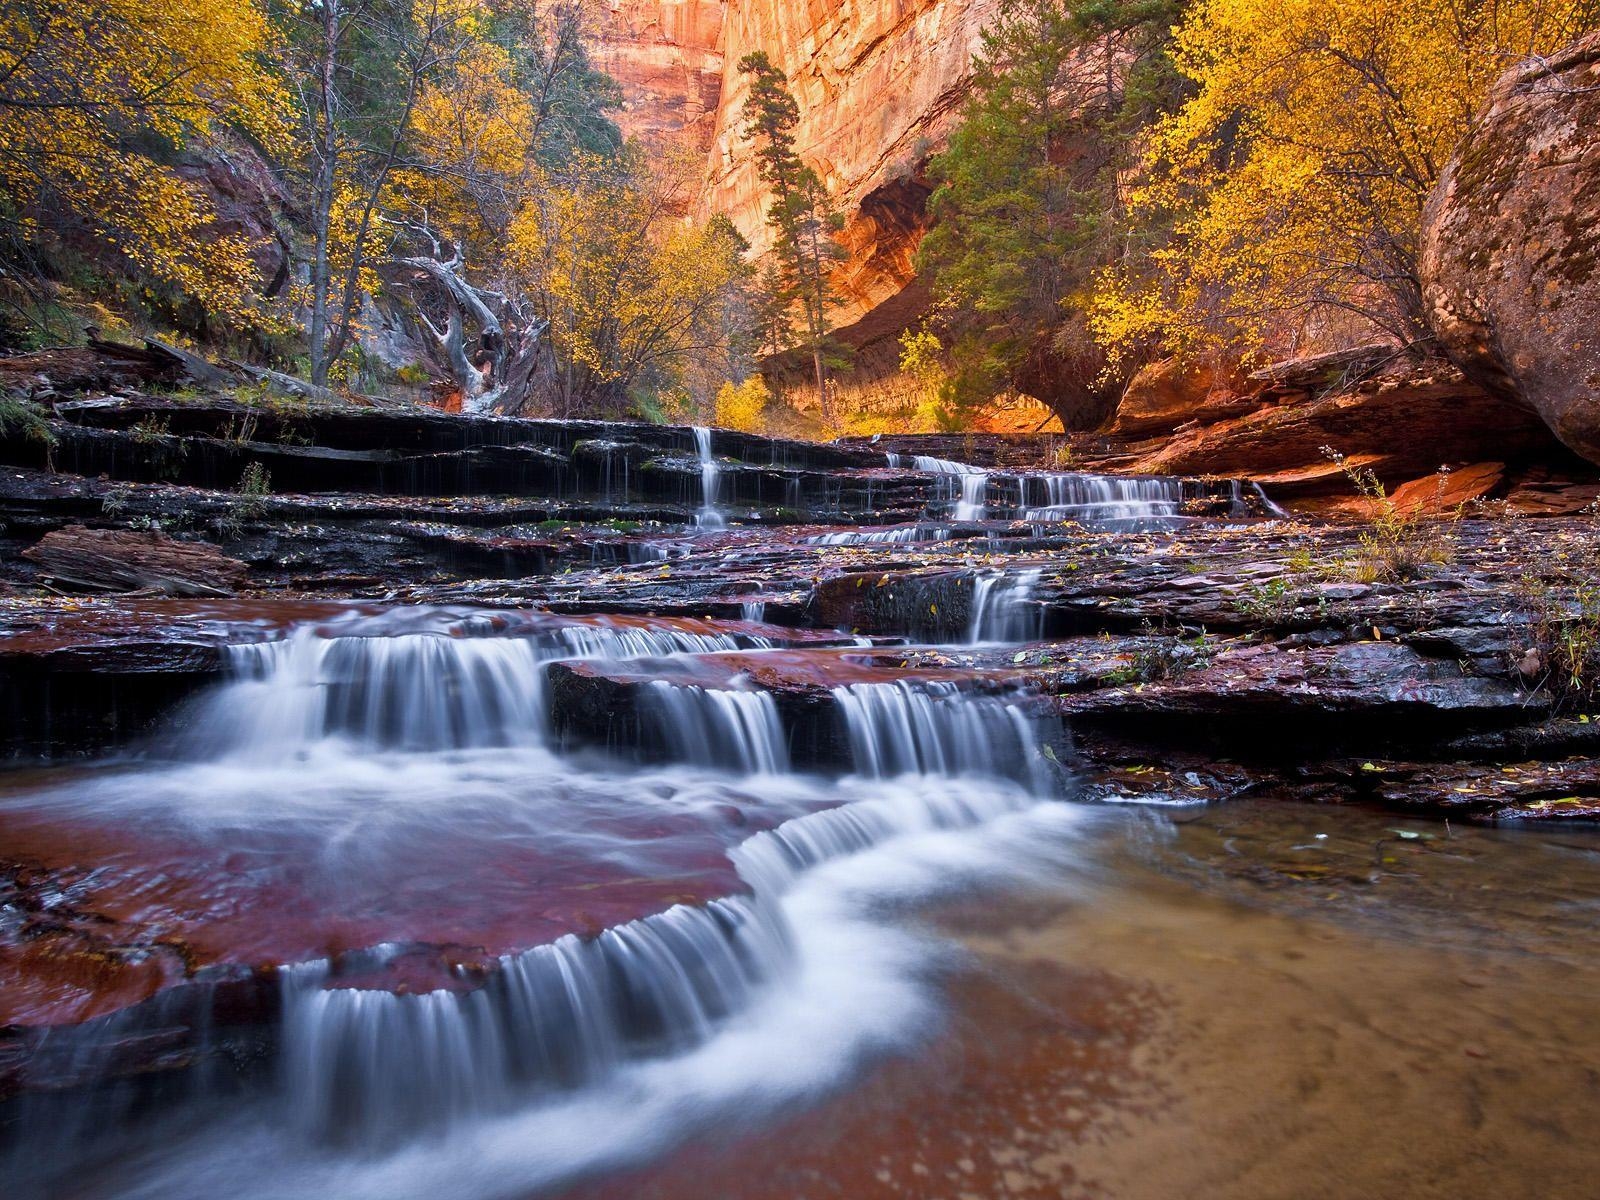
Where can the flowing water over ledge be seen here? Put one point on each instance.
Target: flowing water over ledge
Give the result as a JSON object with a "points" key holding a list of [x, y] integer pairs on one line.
{"points": [[403, 919], [428, 902]]}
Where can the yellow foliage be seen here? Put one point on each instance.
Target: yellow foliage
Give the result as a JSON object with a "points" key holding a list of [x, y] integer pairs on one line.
{"points": [[82, 81], [631, 290], [1293, 181], [744, 405], [472, 124]]}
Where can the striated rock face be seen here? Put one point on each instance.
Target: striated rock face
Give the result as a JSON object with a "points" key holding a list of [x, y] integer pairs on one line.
{"points": [[666, 55], [878, 85], [1511, 250], [1402, 426]]}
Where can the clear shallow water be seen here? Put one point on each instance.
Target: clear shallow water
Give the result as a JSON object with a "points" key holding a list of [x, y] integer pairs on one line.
{"points": [[1195, 1012]]}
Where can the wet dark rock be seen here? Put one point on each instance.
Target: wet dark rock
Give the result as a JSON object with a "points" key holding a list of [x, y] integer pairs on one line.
{"points": [[120, 560]]}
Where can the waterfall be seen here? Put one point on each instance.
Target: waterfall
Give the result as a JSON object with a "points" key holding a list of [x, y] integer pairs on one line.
{"points": [[903, 728], [414, 691], [1096, 499], [373, 1066], [962, 484], [634, 1032], [408, 692], [720, 727], [753, 610], [973, 505], [1003, 608], [709, 516], [886, 535], [941, 466], [367, 1068]]}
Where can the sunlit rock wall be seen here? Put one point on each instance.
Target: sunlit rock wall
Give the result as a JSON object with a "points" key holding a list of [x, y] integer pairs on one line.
{"points": [[667, 57], [878, 82]]}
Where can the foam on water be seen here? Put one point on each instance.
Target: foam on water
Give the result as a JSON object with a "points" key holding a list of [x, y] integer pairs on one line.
{"points": [[390, 754], [854, 985]]}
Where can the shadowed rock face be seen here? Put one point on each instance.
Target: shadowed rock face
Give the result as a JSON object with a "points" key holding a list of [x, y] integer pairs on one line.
{"points": [[1509, 245]]}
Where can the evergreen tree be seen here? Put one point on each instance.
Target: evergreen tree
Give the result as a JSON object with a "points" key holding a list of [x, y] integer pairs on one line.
{"points": [[804, 223], [1027, 204]]}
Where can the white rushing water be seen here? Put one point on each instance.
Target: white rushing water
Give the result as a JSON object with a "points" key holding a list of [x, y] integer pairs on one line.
{"points": [[888, 535], [967, 489], [1003, 609], [419, 692], [720, 727], [1099, 499], [376, 762], [710, 515]]}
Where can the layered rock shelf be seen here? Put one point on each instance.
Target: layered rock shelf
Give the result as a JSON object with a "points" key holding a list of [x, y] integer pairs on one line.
{"points": [[1159, 638]]}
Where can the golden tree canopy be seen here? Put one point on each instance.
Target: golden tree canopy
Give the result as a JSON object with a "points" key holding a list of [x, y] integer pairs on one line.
{"points": [[92, 91], [1293, 181]]}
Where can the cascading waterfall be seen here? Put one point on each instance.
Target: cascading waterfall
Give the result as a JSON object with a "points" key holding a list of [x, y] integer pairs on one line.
{"points": [[413, 692], [973, 504], [888, 535], [720, 727], [1099, 499], [1003, 608], [366, 1068], [650, 1023], [709, 516], [903, 728], [371, 1066], [964, 486], [416, 692]]}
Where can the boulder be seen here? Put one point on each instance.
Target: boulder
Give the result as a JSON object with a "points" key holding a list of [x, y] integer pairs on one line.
{"points": [[1171, 392], [1402, 425], [1510, 245]]}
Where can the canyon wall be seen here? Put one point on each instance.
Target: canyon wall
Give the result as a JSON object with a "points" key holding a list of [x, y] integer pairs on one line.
{"points": [[878, 82], [667, 57]]}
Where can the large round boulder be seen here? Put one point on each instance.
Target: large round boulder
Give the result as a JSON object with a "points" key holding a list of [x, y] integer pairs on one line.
{"points": [[1510, 254]]}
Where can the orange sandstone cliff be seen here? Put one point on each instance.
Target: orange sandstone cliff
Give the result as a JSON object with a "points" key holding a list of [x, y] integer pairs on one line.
{"points": [[878, 81]]}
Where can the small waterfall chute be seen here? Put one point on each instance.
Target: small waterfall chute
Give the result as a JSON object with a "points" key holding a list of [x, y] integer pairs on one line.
{"points": [[1003, 609], [905, 728], [366, 1068], [414, 691], [963, 487], [1099, 499], [710, 515], [730, 728]]}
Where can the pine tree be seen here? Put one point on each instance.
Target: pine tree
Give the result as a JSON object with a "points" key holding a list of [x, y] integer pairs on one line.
{"points": [[804, 224]]}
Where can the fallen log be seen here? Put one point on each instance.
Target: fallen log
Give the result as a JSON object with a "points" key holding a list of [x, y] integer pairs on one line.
{"points": [[120, 560]]}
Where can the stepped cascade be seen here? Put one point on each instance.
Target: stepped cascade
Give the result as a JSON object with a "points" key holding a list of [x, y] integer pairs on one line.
{"points": [[558, 798], [417, 741]]}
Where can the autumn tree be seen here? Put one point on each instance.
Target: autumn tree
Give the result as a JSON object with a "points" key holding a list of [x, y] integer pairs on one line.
{"points": [[95, 95], [804, 224], [1027, 200], [633, 294], [359, 70], [1294, 179], [495, 129]]}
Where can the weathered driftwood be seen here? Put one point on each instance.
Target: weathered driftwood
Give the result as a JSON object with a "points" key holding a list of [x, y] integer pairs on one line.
{"points": [[120, 560]]}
